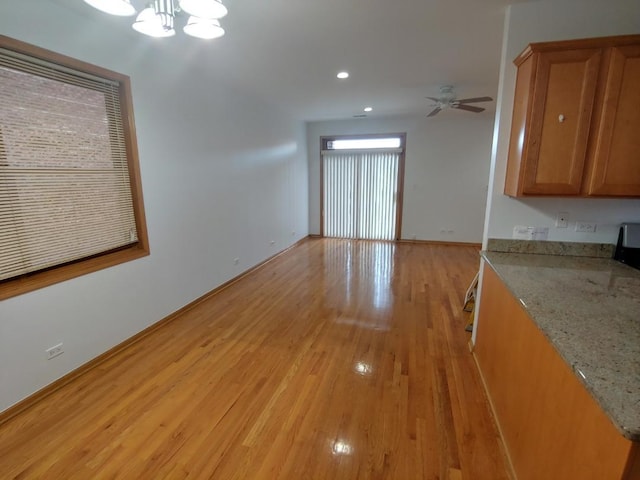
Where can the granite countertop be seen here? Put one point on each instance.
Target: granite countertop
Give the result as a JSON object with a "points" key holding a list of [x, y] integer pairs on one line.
{"points": [[589, 309]]}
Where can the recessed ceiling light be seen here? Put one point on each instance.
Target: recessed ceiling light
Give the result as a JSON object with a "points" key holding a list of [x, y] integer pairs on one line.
{"points": [[343, 75], [368, 109]]}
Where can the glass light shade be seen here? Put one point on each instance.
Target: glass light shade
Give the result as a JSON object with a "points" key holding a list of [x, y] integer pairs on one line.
{"points": [[122, 8], [204, 8], [150, 24], [203, 28]]}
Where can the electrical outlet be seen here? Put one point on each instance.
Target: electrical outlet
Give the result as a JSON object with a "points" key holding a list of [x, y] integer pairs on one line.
{"points": [[54, 351], [523, 232], [585, 227], [236, 261], [562, 220]]}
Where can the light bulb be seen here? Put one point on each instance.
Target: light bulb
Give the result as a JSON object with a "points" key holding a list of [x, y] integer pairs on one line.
{"points": [[203, 28], [122, 8], [150, 24], [204, 8]]}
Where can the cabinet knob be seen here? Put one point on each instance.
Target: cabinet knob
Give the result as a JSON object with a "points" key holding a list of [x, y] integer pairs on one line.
{"points": [[561, 118]]}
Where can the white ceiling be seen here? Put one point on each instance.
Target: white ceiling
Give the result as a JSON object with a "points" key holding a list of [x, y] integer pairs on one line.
{"points": [[397, 52]]}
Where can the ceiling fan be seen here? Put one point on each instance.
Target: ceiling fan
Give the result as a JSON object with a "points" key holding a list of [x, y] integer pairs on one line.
{"points": [[448, 99]]}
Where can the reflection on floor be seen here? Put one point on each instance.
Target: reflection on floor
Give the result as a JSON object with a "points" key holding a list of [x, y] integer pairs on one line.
{"points": [[340, 359]]}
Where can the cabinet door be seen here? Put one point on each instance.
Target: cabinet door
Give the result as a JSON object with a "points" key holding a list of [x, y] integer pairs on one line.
{"points": [[551, 426], [563, 100], [616, 148]]}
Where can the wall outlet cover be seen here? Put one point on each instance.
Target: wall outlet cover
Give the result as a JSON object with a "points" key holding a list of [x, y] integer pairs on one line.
{"points": [[588, 227], [521, 232], [54, 351]]}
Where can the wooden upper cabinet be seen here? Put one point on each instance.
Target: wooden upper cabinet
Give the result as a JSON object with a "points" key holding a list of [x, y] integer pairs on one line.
{"points": [[615, 167], [576, 119], [563, 97]]}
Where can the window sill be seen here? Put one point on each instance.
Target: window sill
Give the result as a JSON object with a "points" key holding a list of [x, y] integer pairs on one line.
{"points": [[28, 283]]}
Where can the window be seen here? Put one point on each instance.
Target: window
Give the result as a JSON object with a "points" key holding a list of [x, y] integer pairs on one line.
{"points": [[70, 194], [364, 143], [362, 186]]}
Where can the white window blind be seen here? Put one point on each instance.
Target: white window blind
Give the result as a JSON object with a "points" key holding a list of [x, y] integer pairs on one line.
{"points": [[65, 192], [360, 193]]}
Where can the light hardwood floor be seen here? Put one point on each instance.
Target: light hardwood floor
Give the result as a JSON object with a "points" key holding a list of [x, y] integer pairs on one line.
{"points": [[337, 360]]}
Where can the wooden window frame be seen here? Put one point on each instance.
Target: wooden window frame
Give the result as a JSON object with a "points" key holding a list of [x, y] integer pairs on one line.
{"points": [[40, 279], [324, 140]]}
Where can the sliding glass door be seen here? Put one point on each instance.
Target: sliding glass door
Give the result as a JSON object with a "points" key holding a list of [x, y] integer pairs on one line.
{"points": [[360, 193]]}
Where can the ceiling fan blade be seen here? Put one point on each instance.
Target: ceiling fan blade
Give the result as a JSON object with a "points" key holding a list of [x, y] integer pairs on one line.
{"points": [[475, 100], [433, 99], [468, 108], [434, 112]]}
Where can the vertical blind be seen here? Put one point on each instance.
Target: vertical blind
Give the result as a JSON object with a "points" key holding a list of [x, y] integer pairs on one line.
{"points": [[65, 192], [360, 194]]}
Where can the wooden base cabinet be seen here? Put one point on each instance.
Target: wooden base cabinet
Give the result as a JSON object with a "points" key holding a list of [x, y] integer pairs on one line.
{"points": [[551, 426], [576, 119]]}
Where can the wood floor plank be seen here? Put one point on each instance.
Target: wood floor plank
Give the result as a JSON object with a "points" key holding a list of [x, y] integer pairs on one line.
{"points": [[338, 360]]}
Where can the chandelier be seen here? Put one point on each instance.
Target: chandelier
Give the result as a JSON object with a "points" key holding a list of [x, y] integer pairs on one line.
{"points": [[157, 19]]}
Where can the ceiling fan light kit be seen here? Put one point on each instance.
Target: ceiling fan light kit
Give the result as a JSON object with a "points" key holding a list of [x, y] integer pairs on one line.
{"points": [[122, 8], [151, 24], [203, 28], [158, 18], [210, 9], [447, 99]]}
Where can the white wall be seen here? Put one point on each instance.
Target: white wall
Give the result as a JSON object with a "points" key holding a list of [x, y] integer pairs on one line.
{"points": [[446, 171], [548, 20], [223, 174]]}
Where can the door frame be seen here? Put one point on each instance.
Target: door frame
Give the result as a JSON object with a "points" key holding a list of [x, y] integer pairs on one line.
{"points": [[400, 182]]}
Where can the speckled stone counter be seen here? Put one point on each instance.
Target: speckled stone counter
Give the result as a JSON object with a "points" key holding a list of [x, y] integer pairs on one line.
{"points": [[574, 249], [589, 309]]}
